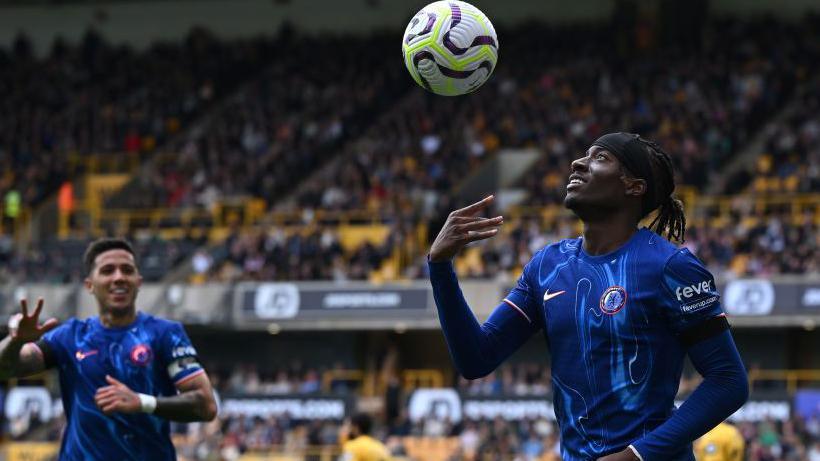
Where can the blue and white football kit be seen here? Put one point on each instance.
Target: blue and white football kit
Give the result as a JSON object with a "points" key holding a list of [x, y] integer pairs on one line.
{"points": [[151, 356], [618, 327]]}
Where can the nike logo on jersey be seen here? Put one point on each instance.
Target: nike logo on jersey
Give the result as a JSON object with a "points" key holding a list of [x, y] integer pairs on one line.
{"points": [[81, 355], [548, 295]]}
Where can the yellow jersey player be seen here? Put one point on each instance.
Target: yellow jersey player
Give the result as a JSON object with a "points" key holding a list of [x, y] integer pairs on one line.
{"points": [[723, 443], [358, 445]]}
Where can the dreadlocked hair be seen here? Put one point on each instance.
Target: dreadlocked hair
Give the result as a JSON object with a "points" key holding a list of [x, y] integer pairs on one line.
{"points": [[670, 218]]}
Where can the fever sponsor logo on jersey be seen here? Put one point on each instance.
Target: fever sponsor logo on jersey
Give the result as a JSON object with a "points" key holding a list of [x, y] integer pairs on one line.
{"points": [[703, 287]]}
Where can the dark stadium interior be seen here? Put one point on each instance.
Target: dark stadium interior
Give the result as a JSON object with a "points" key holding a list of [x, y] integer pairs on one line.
{"points": [[249, 164]]}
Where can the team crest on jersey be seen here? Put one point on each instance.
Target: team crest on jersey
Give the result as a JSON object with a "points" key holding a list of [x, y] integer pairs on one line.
{"points": [[613, 300], [141, 355]]}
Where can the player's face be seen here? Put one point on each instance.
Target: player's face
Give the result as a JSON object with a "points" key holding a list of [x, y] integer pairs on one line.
{"points": [[596, 183], [115, 280]]}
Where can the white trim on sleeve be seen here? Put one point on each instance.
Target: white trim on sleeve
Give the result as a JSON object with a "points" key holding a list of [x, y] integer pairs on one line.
{"points": [[635, 450], [520, 311]]}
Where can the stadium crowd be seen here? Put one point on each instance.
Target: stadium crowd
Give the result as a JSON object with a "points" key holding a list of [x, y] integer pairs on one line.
{"points": [[86, 99], [315, 254], [701, 106], [282, 123], [233, 121], [790, 160], [398, 168], [61, 261]]}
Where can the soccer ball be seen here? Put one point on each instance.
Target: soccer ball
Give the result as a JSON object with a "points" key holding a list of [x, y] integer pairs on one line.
{"points": [[450, 48]]}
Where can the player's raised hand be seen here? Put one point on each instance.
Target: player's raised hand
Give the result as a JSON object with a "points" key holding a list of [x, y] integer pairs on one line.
{"points": [[24, 328], [117, 398], [463, 227]]}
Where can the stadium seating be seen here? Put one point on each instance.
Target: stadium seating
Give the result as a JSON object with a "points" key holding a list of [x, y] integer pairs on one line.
{"points": [[395, 169], [85, 100], [258, 165], [61, 261], [282, 123]]}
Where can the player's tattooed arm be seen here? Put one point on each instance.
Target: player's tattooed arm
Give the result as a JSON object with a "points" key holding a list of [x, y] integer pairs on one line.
{"points": [[195, 401], [18, 359], [18, 355]]}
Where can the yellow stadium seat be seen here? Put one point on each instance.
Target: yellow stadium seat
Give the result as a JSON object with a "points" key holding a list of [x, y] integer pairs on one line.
{"points": [[738, 264], [388, 270], [469, 261], [352, 236], [431, 448]]}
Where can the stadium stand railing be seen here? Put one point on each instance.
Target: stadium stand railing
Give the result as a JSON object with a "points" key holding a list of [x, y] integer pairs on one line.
{"points": [[371, 383], [792, 379]]}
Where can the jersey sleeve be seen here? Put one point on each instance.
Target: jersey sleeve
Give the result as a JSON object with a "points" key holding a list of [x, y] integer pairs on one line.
{"points": [[179, 355], [523, 297], [688, 295], [56, 345]]}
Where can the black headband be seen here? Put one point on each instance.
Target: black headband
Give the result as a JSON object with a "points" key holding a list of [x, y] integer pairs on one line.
{"points": [[634, 156]]}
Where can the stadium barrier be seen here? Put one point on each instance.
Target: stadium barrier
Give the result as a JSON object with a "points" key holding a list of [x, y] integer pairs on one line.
{"points": [[441, 402], [371, 383], [455, 407], [792, 378], [299, 407]]}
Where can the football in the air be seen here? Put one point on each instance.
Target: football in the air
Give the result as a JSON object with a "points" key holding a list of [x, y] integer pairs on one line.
{"points": [[450, 47]]}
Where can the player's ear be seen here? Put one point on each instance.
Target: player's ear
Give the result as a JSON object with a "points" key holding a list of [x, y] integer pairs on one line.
{"points": [[88, 285], [635, 187]]}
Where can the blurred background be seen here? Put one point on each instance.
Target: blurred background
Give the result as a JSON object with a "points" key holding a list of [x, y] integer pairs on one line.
{"points": [[282, 177]]}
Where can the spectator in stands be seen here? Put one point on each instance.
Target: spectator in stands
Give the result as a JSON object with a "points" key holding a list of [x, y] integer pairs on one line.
{"points": [[358, 445]]}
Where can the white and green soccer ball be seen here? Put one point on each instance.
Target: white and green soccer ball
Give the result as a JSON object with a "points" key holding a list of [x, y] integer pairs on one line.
{"points": [[450, 47]]}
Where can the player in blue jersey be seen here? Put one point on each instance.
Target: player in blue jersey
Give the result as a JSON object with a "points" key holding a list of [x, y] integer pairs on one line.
{"points": [[620, 308], [123, 374]]}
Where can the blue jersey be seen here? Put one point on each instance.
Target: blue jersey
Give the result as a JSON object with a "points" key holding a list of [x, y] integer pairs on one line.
{"points": [[614, 324], [150, 356]]}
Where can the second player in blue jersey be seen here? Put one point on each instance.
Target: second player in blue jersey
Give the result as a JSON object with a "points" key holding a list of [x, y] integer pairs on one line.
{"points": [[123, 374]]}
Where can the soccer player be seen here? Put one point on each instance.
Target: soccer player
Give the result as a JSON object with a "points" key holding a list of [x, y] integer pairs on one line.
{"points": [[723, 443], [123, 374], [359, 446], [620, 308]]}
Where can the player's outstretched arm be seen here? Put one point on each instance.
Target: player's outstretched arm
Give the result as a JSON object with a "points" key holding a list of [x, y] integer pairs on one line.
{"points": [[476, 349], [18, 355], [195, 401]]}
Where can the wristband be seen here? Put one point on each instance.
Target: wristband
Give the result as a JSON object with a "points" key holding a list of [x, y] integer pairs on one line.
{"points": [[148, 403]]}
